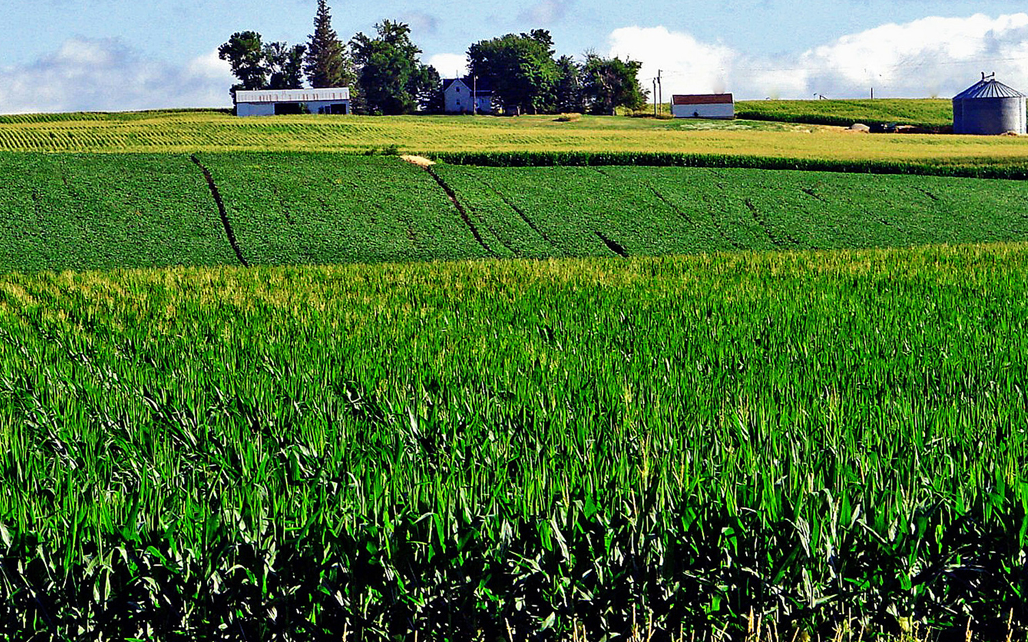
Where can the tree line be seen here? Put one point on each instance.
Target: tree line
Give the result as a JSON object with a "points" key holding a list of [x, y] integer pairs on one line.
{"points": [[386, 76]]}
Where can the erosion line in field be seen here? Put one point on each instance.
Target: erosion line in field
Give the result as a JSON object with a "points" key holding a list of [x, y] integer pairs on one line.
{"points": [[928, 194], [613, 246], [221, 210], [460, 208], [762, 222], [713, 218], [520, 212], [809, 191]]}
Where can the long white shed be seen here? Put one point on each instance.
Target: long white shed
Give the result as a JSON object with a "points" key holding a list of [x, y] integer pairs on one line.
{"points": [[703, 106], [273, 102]]}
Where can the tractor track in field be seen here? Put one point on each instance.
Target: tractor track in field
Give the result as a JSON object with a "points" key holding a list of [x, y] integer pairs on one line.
{"points": [[232, 240], [460, 208]]}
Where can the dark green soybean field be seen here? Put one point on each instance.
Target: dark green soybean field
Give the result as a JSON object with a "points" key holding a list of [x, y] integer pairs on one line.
{"points": [[663, 447], [95, 212], [134, 211]]}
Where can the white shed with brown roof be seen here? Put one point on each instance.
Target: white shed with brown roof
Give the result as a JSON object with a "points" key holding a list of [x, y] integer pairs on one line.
{"points": [[703, 106]]}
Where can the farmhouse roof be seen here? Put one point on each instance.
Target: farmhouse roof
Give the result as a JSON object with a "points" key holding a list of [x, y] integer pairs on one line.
{"points": [[702, 99], [484, 86], [293, 95], [988, 89]]}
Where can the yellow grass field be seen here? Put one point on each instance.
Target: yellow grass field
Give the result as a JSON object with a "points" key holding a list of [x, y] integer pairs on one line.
{"points": [[191, 131]]}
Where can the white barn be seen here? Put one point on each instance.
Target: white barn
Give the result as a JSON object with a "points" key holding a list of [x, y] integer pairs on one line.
{"points": [[459, 98], [274, 102], [703, 106]]}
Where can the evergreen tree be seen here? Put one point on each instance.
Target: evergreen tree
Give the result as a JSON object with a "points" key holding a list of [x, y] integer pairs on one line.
{"points": [[328, 61]]}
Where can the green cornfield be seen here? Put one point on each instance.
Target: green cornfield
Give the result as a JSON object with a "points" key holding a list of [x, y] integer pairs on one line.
{"points": [[518, 449]]}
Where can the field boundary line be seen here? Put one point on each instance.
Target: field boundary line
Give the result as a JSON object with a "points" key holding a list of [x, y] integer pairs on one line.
{"points": [[460, 208], [232, 240]]}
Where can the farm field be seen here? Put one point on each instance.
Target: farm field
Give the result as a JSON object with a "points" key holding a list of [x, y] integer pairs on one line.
{"points": [[122, 211], [90, 212], [199, 131], [815, 438]]}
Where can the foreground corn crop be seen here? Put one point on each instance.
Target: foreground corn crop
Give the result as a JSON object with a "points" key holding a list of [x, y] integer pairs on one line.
{"points": [[493, 449]]}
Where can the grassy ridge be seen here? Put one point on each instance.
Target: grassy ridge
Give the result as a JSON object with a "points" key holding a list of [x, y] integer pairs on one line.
{"points": [[85, 212], [932, 113], [816, 438], [189, 132]]}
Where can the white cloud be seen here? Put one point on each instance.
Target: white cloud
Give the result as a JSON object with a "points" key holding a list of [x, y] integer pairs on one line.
{"points": [[450, 65], [692, 66], [546, 12], [931, 56], [87, 74], [421, 22]]}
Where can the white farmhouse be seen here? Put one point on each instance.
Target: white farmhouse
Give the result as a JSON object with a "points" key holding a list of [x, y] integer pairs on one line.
{"points": [[275, 102], [460, 98], [703, 106]]}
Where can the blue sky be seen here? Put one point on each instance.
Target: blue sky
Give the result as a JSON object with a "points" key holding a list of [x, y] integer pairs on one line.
{"points": [[120, 54]]}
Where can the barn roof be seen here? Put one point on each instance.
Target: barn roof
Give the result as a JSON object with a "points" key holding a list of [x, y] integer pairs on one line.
{"points": [[702, 99], [293, 95], [988, 89]]}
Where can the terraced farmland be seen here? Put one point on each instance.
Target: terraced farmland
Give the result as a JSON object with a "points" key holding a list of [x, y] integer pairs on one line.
{"points": [[87, 212], [518, 448]]}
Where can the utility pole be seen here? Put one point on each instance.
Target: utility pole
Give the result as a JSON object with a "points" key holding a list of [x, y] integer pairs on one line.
{"points": [[474, 95], [660, 91], [654, 95]]}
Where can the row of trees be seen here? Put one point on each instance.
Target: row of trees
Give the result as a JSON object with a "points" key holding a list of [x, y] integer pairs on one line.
{"points": [[526, 78], [386, 76]]}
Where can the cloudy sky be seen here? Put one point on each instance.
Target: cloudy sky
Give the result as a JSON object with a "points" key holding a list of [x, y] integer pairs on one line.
{"points": [[61, 55]]}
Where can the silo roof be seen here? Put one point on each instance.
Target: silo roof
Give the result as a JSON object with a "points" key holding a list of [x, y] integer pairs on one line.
{"points": [[988, 89]]}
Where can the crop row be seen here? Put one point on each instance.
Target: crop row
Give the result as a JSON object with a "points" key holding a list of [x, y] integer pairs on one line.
{"points": [[514, 448], [1008, 171]]}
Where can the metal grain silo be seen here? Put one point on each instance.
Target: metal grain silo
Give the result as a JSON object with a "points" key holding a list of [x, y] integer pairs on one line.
{"points": [[989, 107]]}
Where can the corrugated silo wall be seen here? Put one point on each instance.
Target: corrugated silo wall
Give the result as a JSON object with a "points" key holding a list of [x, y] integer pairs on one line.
{"points": [[958, 116], [992, 116]]}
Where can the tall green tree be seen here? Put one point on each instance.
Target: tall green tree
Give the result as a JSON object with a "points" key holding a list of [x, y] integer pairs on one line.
{"points": [[609, 83], [285, 65], [521, 68], [391, 78], [568, 92], [245, 54], [328, 62]]}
